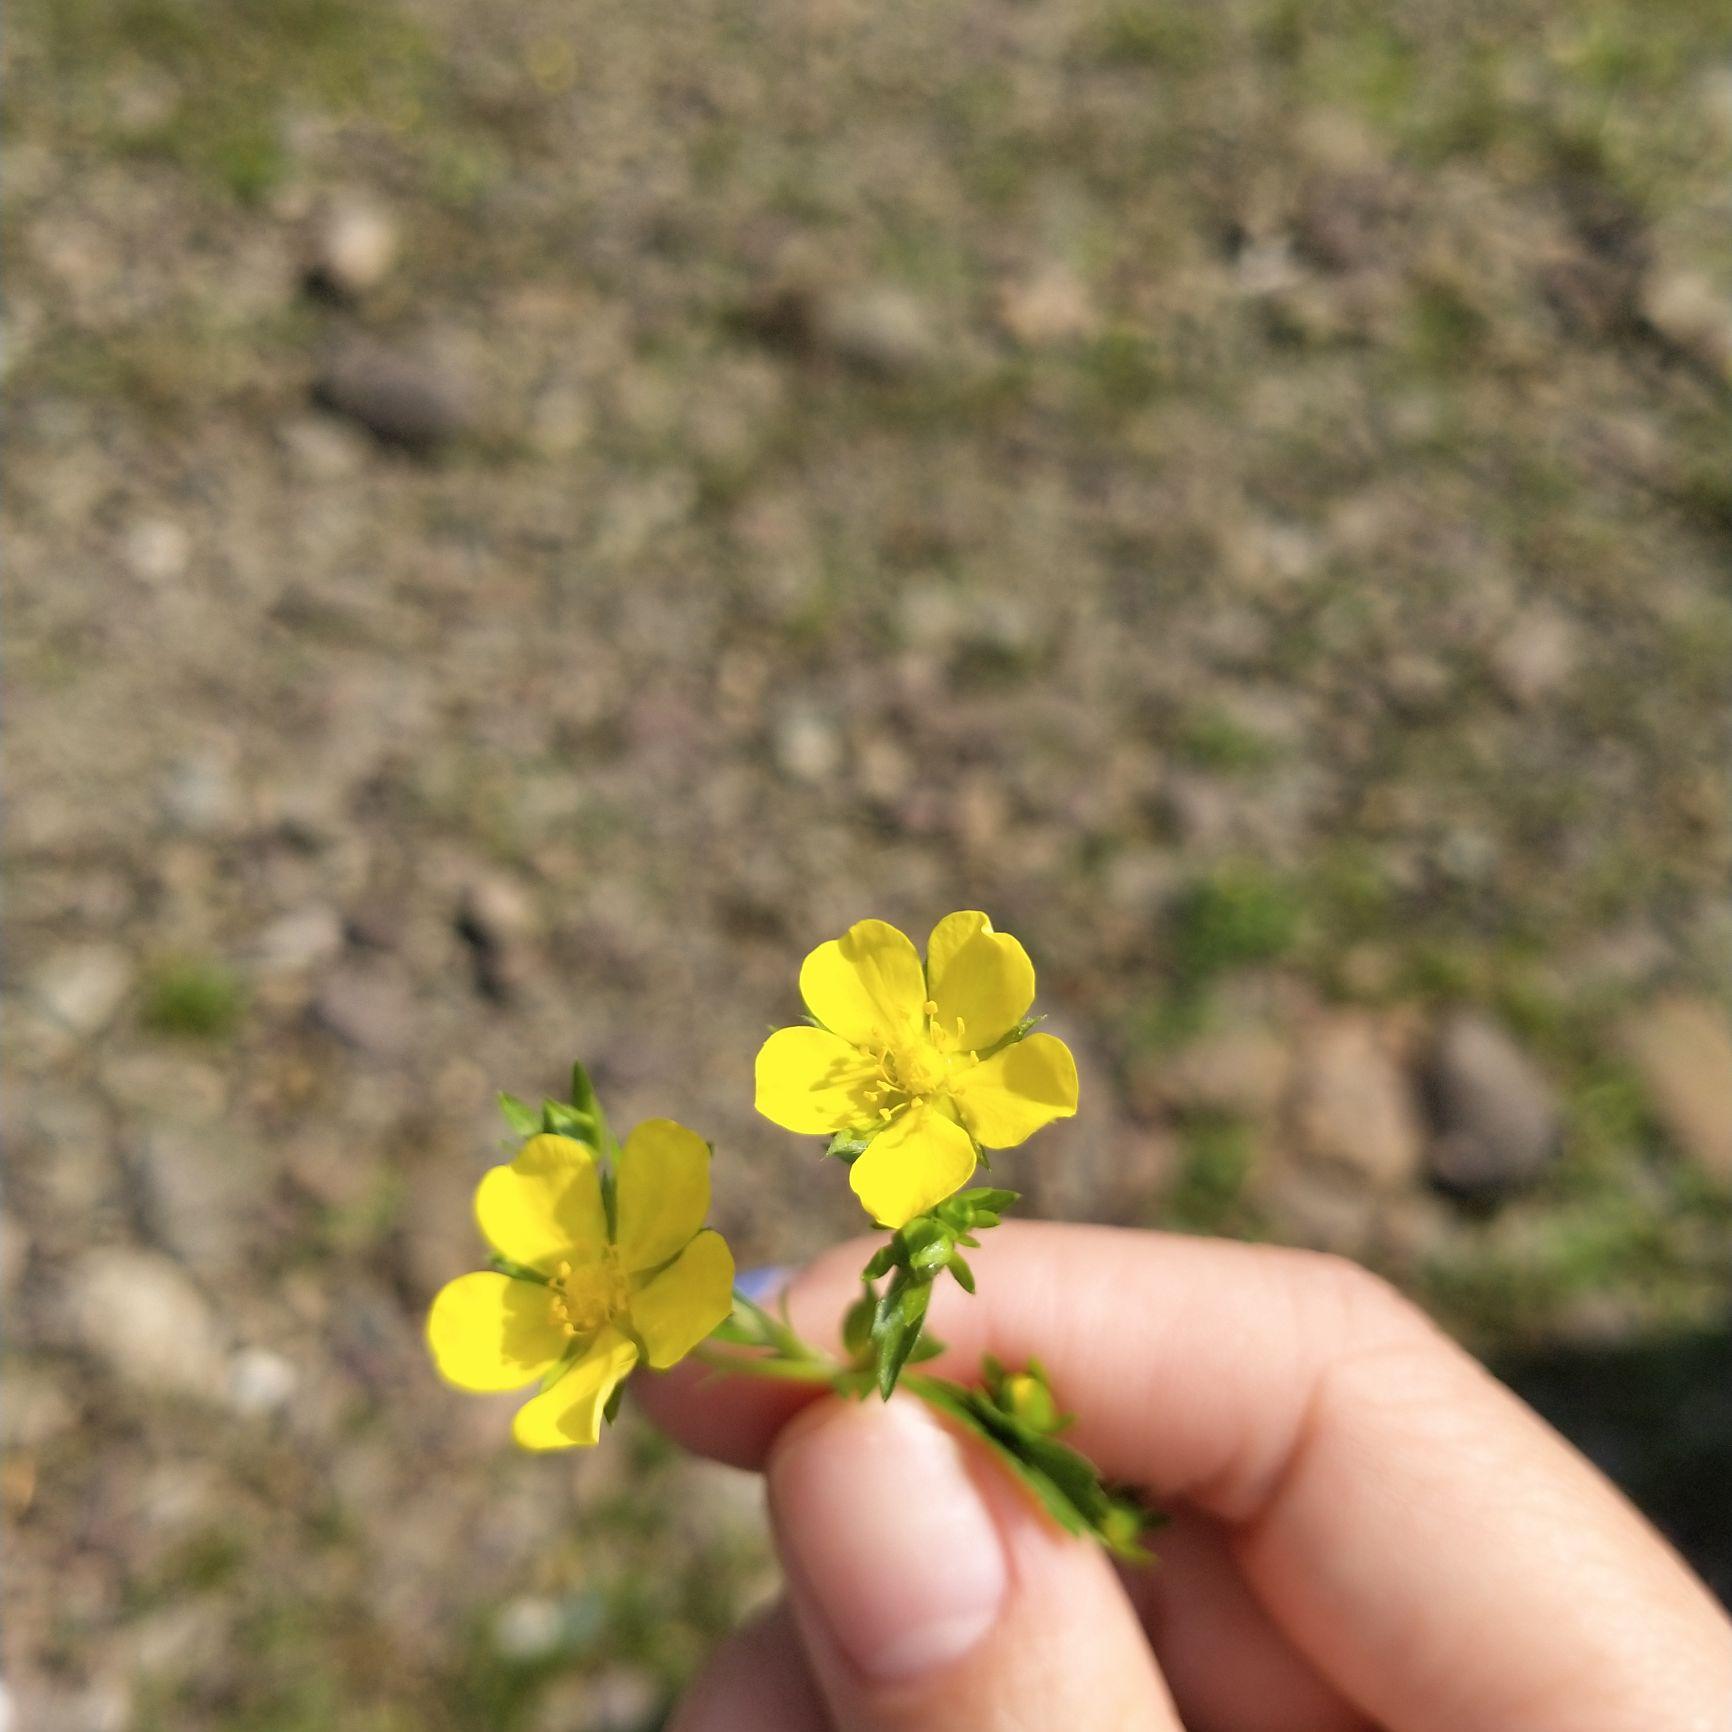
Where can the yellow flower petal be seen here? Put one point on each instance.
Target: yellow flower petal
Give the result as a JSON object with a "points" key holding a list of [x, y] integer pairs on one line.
{"points": [[979, 978], [570, 1412], [676, 1310], [866, 986], [912, 1166], [812, 1081], [1009, 1096], [545, 1205], [663, 1193], [488, 1331]]}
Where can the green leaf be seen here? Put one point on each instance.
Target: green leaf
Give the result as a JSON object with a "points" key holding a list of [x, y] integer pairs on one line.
{"points": [[1065, 1482], [520, 1115]]}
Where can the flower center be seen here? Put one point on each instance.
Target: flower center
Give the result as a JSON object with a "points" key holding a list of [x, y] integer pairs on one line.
{"points": [[918, 1070], [590, 1295]]}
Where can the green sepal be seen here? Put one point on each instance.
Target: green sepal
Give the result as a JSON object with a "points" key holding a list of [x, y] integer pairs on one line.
{"points": [[896, 1327], [573, 1351], [847, 1146], [1021, 1032], [517, 1271], [520, 1115], [857, 1323], [610, 1412], [586, 1104], [564, 1121], [882, 1261]]}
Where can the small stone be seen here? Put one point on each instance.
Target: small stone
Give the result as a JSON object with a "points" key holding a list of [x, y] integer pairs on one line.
{"points": [[1242, 1072], [1141, 880], [530, 1627], [1495, 1119], [321, 449], [261, 1382], [301, 939], [1683, 1050], [1050, 308], [883, 769], [1326, 1208], [621, 1699], [203, 1193], [156, 551], [497, 911], [1535, 657], [14, 1251], [82, 987], [402, 398], [807, 746], [496, 917], [142, 1317], [1692, 315], [352, 248], [1352, 1106], [884, 331], [199, 795], [368, 1009], [37, 1411]]}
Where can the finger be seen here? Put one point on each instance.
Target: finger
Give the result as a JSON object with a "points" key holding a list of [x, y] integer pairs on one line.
{"points": [[1229, 1667], [756, 1681], [1417, 1533], [934, 1596]]}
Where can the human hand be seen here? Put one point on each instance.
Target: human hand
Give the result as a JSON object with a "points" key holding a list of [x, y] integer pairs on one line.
{"points": [[1368, 1529]]}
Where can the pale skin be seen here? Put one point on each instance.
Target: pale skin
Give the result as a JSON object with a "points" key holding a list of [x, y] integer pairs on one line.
{"points": [[1369, 1530]]}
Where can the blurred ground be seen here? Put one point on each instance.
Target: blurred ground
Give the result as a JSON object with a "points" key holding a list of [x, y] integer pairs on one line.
{"points": [[523, 520]]}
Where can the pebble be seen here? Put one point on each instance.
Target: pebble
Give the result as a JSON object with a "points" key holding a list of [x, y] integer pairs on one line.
{"points": [[1243, 1072], [1682, 1047], [1352, 1105], [1535, 657], [1495, 1119], [83, 986], [141, 1315], [496, 910], [156, 550], [1693, 316], [807, 746], [883, 331], [368, 1009], [200, 796], [203, 1192], [352, 248], [402, 398], [261, 1383], [1053, 307], [301, 939]]}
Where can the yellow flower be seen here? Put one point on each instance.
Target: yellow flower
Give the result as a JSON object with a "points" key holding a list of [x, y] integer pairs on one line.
{"points": [[651, 1286], [926, 1063]]}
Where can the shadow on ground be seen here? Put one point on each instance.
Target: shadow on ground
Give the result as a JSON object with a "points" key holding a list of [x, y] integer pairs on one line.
{"points": [[1656, 1416]]}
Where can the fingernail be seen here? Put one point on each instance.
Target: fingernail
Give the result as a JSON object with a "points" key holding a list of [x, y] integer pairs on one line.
{"points": [[764, 1283], [886, 1536]]}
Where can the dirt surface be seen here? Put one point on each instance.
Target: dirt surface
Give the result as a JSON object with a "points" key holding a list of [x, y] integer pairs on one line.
{"points": [[521, 522]]}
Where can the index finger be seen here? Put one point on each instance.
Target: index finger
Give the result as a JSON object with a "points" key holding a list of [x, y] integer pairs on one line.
{"points": [[1435, 1549]]}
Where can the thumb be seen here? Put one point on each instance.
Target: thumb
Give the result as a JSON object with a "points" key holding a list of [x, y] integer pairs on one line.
{"points": [[931, 1592]]}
